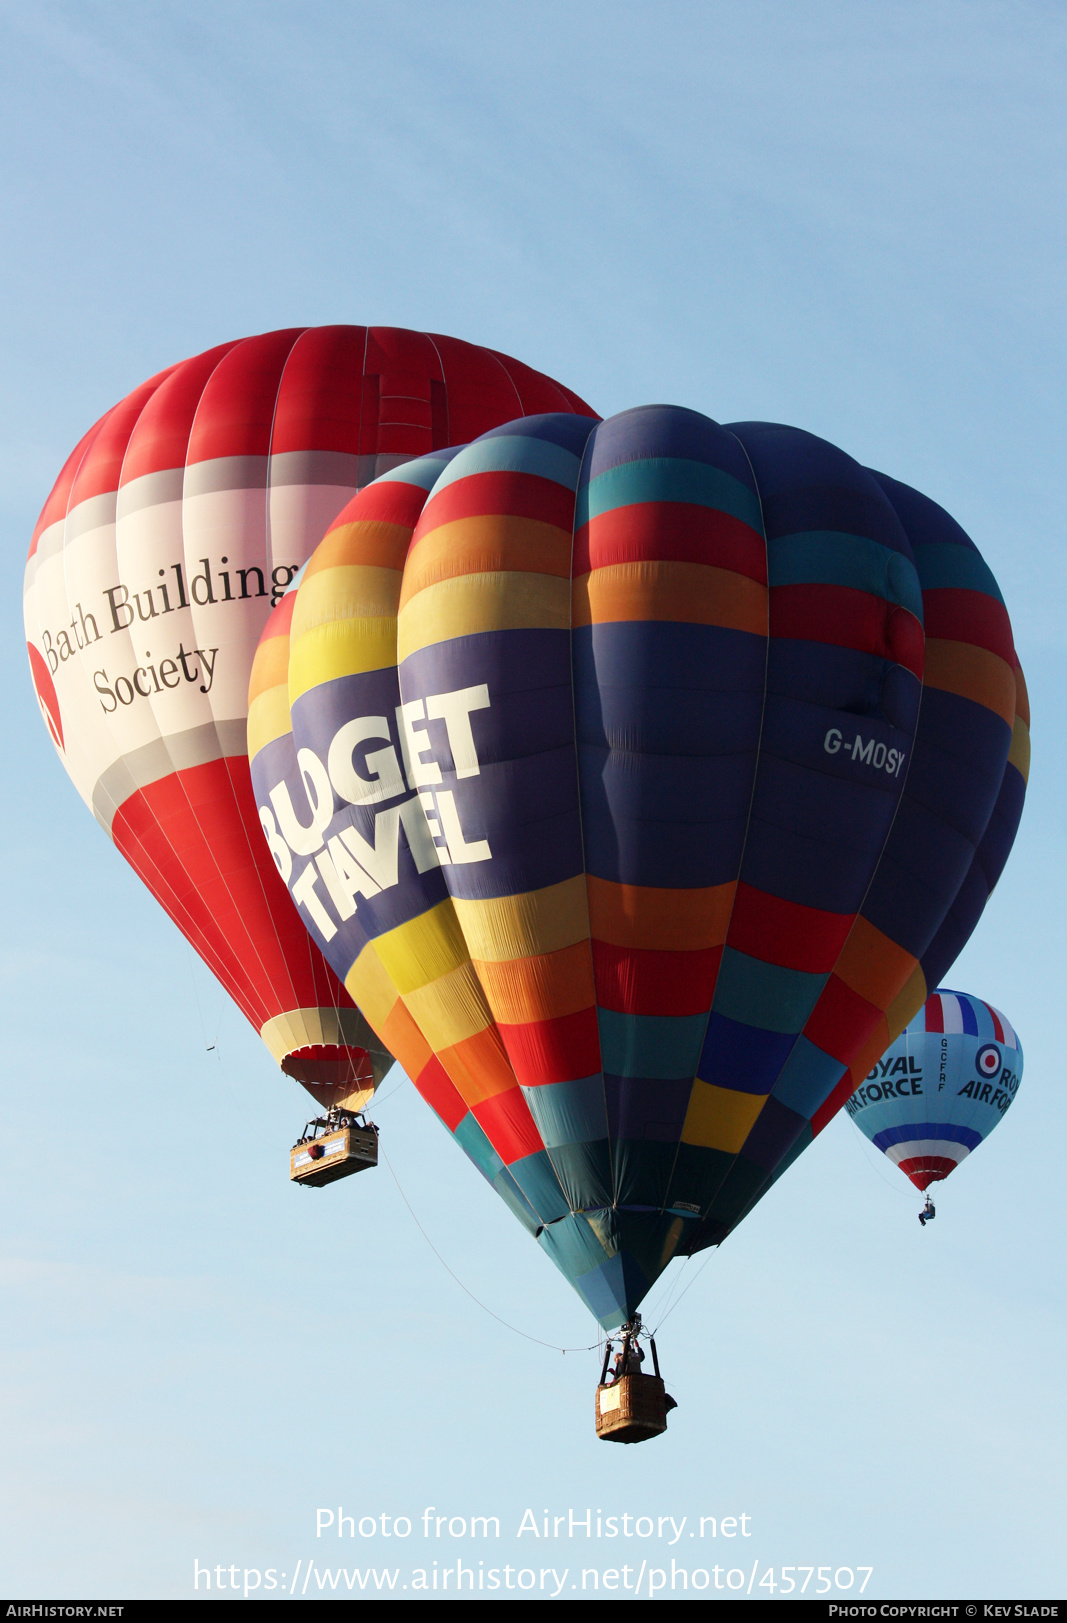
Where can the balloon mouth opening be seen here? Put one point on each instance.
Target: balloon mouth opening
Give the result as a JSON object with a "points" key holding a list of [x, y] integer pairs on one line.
{"points": [[931, 1169], [331, 1065]]}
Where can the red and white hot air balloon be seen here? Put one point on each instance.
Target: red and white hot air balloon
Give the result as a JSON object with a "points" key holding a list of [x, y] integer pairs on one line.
{"points": [[175, 525]]}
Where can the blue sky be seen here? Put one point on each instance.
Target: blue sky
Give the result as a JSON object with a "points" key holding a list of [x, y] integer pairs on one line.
{"points": [[850, 218]]}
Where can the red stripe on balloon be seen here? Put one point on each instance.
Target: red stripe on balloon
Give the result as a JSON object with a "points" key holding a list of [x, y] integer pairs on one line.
{"points": [[521, 495], [845, 617], [841, 1021], [786, 933], [560, 1050], [320, 397], [679, 532], [506, 1121], [226, 882], [958, 615], [638, 980], [103, 459], [437, 1088], [394, 501]]}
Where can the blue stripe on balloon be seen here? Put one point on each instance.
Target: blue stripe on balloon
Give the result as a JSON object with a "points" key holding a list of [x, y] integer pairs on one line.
{"points": [[812, 840], [806, 483], [775, 1130], [569, 1112], [759, 994], [423, 471], [514, 453], [644, 1045], [741, 1057], [945, 564], [667, 479], [843, 560], [915, 1132], [808, 1078], [668, 689], [673, 432]]}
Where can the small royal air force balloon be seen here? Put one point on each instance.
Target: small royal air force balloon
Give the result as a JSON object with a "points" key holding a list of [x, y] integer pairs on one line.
{"points": [[941, 1088]]}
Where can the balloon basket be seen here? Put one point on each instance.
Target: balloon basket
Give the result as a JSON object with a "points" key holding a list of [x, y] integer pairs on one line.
{"points": [[631, 1409], [317, 1161]]}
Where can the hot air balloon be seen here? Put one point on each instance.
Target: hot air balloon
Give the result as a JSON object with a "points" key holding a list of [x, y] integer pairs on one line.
{"points": [[940, 1088], [634, 769], [175, 525]]}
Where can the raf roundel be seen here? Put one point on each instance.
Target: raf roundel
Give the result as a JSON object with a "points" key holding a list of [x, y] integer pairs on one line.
{"points": [[987, 1061]]}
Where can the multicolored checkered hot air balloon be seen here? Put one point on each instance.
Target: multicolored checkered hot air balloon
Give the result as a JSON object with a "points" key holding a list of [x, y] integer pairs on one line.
{"points": [[941, 1088], [176, 524], [632, 775]]}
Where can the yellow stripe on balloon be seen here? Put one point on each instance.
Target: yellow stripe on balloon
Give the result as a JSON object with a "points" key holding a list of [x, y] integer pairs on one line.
{"points": [[268, 719], [350, 592], [720, 1118], [343, 648], [451, 1008], [499, 928], [504, 601], [422, 949]]}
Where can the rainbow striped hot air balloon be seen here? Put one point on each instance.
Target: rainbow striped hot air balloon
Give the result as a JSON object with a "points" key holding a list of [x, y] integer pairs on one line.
{"points": [[941, 1088], [174, 527], [633, 777]]}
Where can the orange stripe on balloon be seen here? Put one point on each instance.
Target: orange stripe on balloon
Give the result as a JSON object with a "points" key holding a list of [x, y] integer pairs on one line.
{"points": [[972, 673], [665, 919], [695, 594], [364, 542], [873, 965], [540, 987], [475, 546], [479, 1066]]}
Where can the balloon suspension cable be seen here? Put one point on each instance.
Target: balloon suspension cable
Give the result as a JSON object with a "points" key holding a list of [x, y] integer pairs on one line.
{"points": [[593, 1346], [875, 1166]]}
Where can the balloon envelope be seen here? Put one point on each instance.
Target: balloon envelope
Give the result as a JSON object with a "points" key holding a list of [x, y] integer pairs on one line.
{"points": [[941, 1088], [174, 526], [633, 770]]}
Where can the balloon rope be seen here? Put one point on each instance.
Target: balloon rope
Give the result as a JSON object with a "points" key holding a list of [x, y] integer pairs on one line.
{"points": [[525, 1334], [875, 1167], [692, 1281]]}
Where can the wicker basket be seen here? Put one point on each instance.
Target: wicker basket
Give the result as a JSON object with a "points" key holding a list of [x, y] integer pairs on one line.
{"points": [[631, 1409], [317, 1161]]}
